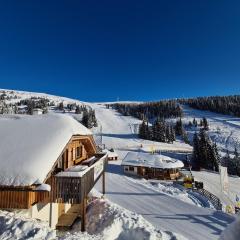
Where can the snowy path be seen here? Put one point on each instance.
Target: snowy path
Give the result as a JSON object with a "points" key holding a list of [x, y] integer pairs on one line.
{"points": [[163, 211]]}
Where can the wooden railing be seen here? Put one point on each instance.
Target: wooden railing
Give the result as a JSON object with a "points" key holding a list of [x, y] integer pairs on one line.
{"points": [[211, 197], [71, 189]]}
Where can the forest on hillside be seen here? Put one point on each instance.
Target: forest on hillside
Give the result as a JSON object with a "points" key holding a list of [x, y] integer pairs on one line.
{"points": [[149, 110], [229, 105]]}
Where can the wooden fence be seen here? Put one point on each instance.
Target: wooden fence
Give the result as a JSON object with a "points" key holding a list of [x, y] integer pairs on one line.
{"points": [[211, 197]]}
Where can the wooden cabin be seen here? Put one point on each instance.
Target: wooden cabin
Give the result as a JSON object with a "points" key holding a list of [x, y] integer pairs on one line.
{"points": [[42, 166], [151, 166]]}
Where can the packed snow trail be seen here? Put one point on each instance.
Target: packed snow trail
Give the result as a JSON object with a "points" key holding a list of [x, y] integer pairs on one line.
{"points": [[163, 211]]}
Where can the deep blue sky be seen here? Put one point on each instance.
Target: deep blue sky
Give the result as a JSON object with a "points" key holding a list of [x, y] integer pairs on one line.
{"points": [[134, 50]]}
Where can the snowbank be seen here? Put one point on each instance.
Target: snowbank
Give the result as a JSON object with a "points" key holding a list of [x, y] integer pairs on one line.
{"points": [[109, 221], [232, 232], [33, 144], [15, 226], [175, 190]]}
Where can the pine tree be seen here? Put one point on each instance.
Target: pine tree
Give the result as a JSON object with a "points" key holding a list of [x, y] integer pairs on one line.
{"points": [[162, 131], [205, 124], [86, 120], [143, 130], [203, 148], [196, 154], [30, 107], [173, 136], [77, 111], [236, 154], [190, 124], [61, 106], [179, 127], [195, 122], [168, 134], [185, 137], [216, 157]]}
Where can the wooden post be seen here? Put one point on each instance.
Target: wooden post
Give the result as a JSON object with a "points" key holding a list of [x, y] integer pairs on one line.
{"points": [[103, 182], [83, 214]]}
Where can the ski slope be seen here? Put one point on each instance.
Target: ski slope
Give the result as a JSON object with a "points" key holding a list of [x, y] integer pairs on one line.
{"points": [[223, 129], [120, 132], [163, 211]]}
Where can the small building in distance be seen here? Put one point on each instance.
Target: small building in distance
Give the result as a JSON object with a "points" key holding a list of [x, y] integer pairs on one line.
{"points": [[112, 155], [37, 111], [151, 166]]}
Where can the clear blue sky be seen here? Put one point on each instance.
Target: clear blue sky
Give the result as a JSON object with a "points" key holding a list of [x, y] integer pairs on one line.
{"points": [[134, 50]]}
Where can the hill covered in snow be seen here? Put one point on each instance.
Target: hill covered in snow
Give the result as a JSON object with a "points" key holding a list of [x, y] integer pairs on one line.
{"points": [[164, 206]]}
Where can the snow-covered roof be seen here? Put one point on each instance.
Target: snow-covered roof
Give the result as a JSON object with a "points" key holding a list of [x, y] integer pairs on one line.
{"points": [[110, 154], [151, 160], [30, 145]]}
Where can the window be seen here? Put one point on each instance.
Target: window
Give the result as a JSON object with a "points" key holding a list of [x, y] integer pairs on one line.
{"points": [[78, 152], [131, 169], [61, 162]]}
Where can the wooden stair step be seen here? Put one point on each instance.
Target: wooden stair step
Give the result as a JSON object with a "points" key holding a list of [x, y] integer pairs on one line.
{"points": [[67, 220]]}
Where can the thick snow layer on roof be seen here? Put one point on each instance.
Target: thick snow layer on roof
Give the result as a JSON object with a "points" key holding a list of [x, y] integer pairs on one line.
{"points": [[30, 145], [151, 160], [110, 154]]}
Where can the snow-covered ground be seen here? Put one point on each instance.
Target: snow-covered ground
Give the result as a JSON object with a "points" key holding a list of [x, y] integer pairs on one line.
{"points": [[223, 129], [168, 212], [162, 206], [177, 191], [211, 181], [105, 220], [162, 209], [109, 221], [16, 226], [120, 132]]}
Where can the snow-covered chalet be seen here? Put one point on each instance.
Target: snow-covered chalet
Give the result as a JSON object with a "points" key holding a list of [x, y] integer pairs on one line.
{"points": [[48, 165]]}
